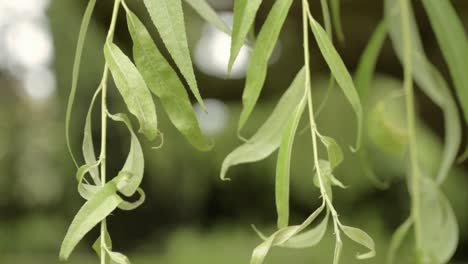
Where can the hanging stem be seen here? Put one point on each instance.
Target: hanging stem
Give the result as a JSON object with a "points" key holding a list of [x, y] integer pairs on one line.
{"points": [[104, 111], [313, 127], [410, 112]]}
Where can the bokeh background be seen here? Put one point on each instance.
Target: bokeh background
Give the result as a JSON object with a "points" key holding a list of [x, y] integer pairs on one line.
{"points": [[190, 215]]}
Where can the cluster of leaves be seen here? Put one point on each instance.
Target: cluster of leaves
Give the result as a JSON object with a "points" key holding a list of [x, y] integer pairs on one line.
{"points": [[149, 72], [436, 231]]}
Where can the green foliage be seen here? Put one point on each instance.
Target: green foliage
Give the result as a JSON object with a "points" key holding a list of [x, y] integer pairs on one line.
{"points": [[431, 217]]}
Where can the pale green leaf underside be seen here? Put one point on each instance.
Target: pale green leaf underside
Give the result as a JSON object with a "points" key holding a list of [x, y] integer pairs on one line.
{"points": [[164, 82], [281, 237], [76, 70], [264, 45], [168, 17], [283, 165], [430, 81], [268, 138], [133, 89], [133, 168], [339, 71], [93, 211], [209, 14], [362, 238], [453, 42], [309, 238], [397, 239], [244, 17], [107, 240], [88, 146]]}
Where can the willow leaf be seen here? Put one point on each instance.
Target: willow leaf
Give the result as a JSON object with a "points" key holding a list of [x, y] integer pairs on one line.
{"points": [[128, 206], [168, 17], [244, 17], [397, 239], [76, 71], [117, 258], [368, 60], [439, 228], [88, 146], [281, 237], [453, 42], [283, 166], [209, 14], [133, 89], [337, 251], [164, 82], [430, 81], [336, 15], [132, 171], [257, 69], [339, 71], [362, 238], [86, 190], [93, 211], [268, 138], [335, 154], [309, 238]]}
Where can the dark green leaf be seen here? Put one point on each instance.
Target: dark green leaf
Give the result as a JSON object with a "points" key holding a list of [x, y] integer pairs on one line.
{"points": [[164, 82], [168, 17]]}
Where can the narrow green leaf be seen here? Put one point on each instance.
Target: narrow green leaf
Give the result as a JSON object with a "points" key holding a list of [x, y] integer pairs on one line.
{"points": [[335, 154], [339, 71], [439, 228], [76, 71], [168, 17], [430, 81], [326, 18], [368, 60], [362, 238], [268, 138], [309, 238], [128, 206], [336, 14], [108, 243], [88, 146], [86, 190], [164, 82], [257, 69], [244, 17], [282, 236], [337, 252], [209, 14], [363, 78], [397, 239], [133, 89], [451, 36], [132, 171], [283, 166], [93, 211]]}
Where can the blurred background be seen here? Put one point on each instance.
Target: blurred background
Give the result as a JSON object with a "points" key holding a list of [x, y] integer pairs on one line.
{"points": [[190, 215]]}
